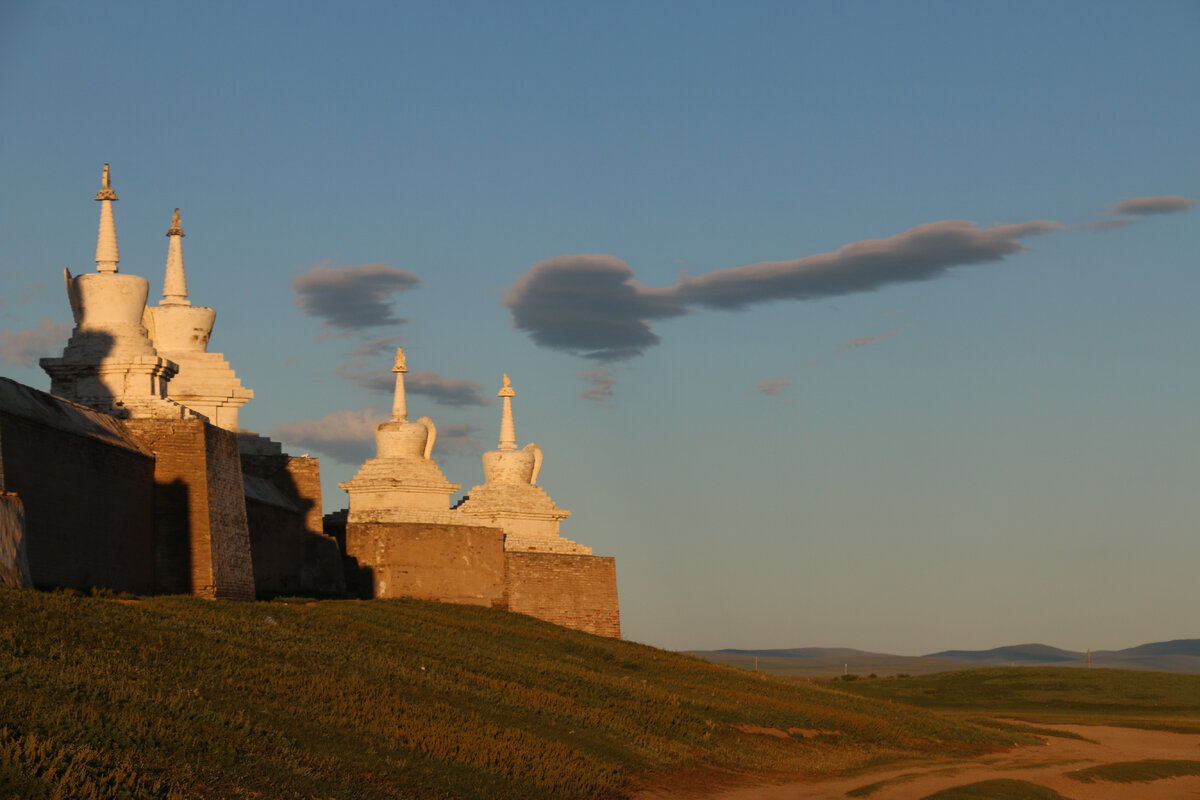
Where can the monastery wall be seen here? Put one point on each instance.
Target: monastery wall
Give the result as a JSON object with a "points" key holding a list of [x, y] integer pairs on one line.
{"points": [[14, 560], [87, 487], [450, 563], [291, 552], [574, 591], [203, 544]]}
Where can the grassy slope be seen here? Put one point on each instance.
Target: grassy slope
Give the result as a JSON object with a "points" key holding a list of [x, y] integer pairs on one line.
{"points": [[832, 666], [175, 697], [1160, 700]]}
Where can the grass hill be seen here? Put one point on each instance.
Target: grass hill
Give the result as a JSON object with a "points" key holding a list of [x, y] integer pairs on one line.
{"points": [[1130, 698], [827, 662], [173, 697]]}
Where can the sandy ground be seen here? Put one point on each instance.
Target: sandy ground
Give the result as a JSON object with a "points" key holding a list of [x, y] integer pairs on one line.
{"points": [[1049, 765]]}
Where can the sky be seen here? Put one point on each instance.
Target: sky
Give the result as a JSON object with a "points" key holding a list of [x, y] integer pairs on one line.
{"points": [[851, 324]]}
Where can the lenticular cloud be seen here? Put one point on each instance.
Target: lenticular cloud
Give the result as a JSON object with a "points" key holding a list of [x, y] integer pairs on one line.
{"points": [[593, 306]]}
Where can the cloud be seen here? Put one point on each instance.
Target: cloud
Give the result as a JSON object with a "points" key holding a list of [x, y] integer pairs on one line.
{"points": [[600, 383], [773, 386], [376, 380], [593, 306], [453, 392], [1160, 204], [375, 347], [865, 340], [22, 348], [352, 298], [347, 436], [588, 305], [921, 253], [458, 438]]}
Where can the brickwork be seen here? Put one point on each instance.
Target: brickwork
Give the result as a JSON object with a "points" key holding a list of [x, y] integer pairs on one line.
{"points": [[229, 534], [202, 543], [451, 563], [574, 591], [305, 475], [14, 560], [87, 487], [292, 554]]}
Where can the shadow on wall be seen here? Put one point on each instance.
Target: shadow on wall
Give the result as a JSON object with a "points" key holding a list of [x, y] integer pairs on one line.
{"points": [[291, 554], [173, 541], [360, 578]]}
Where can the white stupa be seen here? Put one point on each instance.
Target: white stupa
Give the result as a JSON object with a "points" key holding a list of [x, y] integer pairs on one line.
{"points": [[510, 498], [402, 483], [109, 363], [180, 331]]}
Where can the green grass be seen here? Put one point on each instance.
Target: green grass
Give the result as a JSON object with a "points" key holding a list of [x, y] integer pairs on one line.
{"points": [[1152, 769], [1131, 698], [999, 789], [174, 697]]}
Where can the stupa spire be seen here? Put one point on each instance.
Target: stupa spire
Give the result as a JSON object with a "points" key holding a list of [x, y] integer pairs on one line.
{"points": [[107, 255], [175, 291], [399, 402], [508, 432]]}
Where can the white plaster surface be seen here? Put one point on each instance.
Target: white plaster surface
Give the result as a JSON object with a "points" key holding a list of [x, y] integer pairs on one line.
{"points": [[109, 363], [180, 331], [402, 483], [509, 498]]}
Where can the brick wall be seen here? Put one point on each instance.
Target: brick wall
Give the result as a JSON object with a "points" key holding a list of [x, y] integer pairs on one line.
{"points": [[202, 545], [292, 554], [229, 533], [577, 592], [451, 563], [14, 560], [87, 487]]}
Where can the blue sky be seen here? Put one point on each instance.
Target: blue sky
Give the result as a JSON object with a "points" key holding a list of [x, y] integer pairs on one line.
{"points": [[943, 435]]}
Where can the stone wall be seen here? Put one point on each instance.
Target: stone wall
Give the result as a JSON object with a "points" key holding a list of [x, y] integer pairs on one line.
{"points": [[14, 560], [202, 542], [291, 552], [574, 591], [87, 487], [450, 563]]}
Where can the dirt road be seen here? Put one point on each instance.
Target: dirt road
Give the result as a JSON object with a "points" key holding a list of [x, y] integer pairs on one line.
{"points": [[1048, 765]]}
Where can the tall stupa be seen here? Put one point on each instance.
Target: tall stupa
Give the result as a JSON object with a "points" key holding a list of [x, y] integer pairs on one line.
{"points": [[109, 363], [402, 483], [180, 331], [510, 498]]}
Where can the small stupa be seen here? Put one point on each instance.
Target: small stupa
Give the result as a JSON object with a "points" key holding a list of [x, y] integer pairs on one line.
{"points": [[402, 483], [109, 363], [510, 498], [180, 331]]}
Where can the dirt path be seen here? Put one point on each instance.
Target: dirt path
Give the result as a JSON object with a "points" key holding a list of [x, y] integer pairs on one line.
{"points": [[1047, 765]]}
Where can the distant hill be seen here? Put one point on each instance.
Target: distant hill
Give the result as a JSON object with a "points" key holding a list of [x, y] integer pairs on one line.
{"points": [[807, 652], [1012, 654], [1177, 655], [1175, 647]]}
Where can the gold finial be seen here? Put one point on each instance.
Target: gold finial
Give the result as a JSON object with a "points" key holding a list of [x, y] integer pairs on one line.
{"points": [[400, 365], [106, 192], [507, 391], [176, 228]]}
